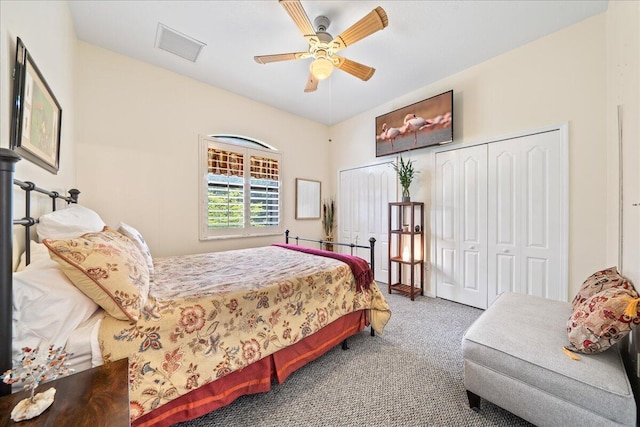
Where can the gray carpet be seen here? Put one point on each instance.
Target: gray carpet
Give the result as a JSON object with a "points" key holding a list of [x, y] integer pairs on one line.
{"points": [[409, 376]]}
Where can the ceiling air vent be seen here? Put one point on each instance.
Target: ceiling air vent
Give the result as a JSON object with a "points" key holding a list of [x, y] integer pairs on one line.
{"points": [[177, 43]]}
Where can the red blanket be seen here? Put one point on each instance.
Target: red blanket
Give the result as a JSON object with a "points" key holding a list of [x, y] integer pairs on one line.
{"points": [[359, 267]]}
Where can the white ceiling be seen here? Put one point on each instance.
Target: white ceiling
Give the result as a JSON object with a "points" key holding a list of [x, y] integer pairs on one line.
{"points": [[424, 42]]}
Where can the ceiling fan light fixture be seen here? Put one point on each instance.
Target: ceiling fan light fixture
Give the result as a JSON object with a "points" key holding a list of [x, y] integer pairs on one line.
{"points": [[323, 47], [321, 68]]}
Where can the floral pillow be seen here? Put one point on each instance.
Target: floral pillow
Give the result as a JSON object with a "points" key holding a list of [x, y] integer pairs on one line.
{"points": [[108, 268], [600, 281], [602, 320]]}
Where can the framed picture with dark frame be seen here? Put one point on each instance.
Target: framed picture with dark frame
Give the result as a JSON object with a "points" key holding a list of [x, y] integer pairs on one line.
{"points": [[423, 124], [37, 117]]}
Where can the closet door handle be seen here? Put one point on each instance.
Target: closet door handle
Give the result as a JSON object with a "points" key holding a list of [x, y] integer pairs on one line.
{"points": [[472, 247], [506, 251]]}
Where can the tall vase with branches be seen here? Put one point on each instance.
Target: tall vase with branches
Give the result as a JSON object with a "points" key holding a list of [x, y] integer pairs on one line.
{"points": [[328, 221], [406, 173]]}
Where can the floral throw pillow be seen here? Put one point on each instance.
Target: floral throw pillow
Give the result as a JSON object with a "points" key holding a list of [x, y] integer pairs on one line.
{"points": [[600, 281], [108, 268], [602, 320]]}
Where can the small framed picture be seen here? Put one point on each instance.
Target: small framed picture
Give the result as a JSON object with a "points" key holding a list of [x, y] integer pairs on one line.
{"points": [[37, 117], [307, 199]]}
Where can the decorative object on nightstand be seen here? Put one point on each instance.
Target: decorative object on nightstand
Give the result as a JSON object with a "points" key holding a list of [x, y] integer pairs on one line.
{"points": [[32, 369], [406, 244], [406, 173], [97, 397]]}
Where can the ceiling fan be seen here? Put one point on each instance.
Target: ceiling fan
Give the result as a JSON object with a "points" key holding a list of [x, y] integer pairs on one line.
{"points": [[323, 47]]}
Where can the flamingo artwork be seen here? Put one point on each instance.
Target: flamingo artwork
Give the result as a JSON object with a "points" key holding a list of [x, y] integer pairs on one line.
{"points": [[389, 134], [442, 121], [413, 123], [421, 124]]}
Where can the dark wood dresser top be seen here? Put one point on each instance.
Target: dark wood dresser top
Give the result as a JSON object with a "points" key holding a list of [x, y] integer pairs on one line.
{"points": [[98, 397]]}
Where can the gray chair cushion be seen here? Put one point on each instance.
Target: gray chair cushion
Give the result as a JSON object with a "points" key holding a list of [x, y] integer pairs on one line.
{"points": [[522, 337]]}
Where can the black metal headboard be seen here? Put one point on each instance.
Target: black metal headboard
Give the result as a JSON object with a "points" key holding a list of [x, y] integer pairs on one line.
{"points": [[371, 247], [8, 159]]}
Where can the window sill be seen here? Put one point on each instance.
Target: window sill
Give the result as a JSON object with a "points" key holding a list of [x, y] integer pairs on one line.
{"points": [[241, 236]]}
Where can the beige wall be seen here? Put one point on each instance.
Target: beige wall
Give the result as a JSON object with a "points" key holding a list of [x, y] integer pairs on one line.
{"points": [[623, 89], [558, 78], [137, 145], [46, 29]]}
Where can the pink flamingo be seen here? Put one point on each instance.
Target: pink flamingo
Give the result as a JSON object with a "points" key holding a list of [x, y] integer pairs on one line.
{"points": [[389, 134], [413, 123]]}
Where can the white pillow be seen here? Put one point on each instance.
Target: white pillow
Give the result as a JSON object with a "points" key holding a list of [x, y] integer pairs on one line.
{"points": [[39, 253], [135, 236], [46, 307], [69, 223]]}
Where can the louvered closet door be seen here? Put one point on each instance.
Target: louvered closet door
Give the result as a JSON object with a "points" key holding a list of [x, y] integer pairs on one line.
{"points": [[525, 217], [461, 225]]}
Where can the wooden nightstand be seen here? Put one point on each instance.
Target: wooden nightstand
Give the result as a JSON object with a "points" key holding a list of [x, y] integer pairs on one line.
{"points": [[96, 397]]}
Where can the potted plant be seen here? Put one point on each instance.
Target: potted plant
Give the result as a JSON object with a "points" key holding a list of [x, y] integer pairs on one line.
{"points": [[406, 173], [328, 221]]}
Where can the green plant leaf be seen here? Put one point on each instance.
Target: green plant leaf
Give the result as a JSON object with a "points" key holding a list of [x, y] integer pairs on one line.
{"points": [[406, 172]]}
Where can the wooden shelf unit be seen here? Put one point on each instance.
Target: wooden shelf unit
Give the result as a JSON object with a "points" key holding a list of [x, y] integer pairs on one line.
{"points": [[406, 247]]}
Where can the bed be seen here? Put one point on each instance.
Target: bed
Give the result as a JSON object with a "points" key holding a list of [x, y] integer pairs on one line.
{"points": [[199, 330]]}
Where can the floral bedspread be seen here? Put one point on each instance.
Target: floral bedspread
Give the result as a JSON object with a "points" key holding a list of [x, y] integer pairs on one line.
{"points": [[211, 314]]}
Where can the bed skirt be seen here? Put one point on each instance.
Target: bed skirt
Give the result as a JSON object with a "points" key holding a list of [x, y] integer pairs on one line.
{"points": [[256, 377]]}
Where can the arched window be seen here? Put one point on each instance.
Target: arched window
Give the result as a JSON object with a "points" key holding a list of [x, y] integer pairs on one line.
{"points": [[240, 187]]}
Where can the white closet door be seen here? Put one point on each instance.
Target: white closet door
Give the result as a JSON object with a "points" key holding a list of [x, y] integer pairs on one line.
{"points": [[526, 216], [362, 210], [504, 211], [461, 225]]}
